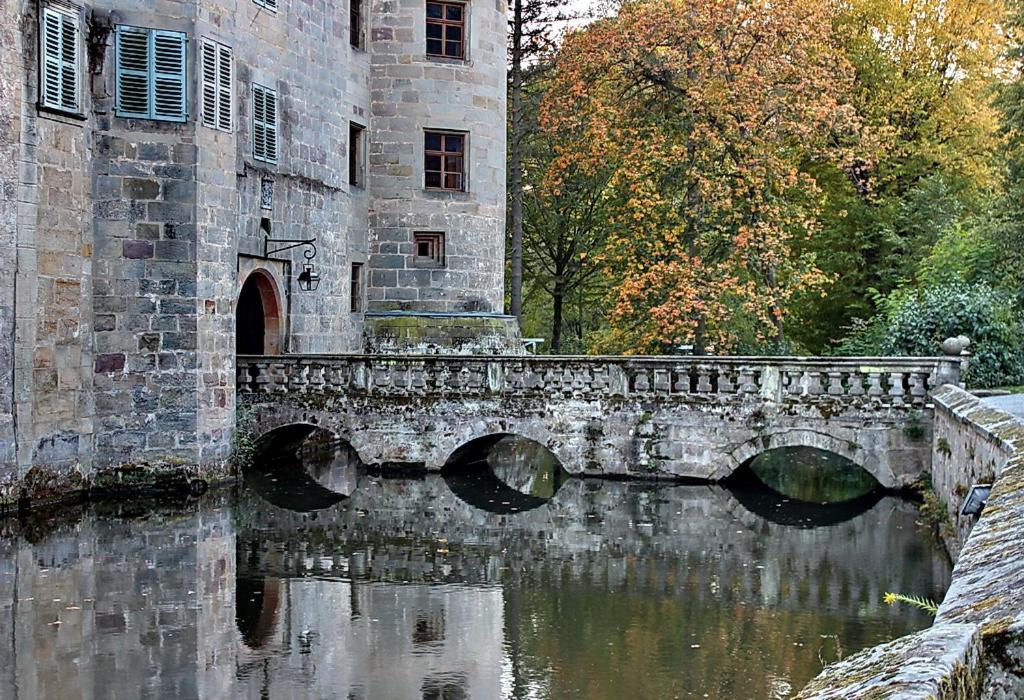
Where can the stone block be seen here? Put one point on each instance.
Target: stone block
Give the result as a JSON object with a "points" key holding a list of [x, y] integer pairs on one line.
{"points": [[109, 362], [137, 250]]}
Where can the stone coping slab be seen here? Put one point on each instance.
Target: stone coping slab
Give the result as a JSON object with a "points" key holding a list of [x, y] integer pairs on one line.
{"points": [[939, 662]]}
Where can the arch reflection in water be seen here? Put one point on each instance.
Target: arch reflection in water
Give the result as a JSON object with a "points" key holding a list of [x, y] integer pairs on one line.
{"points": [[504, 474], [316, 474], [804, 487]]}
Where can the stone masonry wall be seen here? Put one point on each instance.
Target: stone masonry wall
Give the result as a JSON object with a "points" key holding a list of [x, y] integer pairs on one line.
{"points": [[966, 450], [975, 649], [52, 374], [144, 272], [411, 92], [10, 167]]}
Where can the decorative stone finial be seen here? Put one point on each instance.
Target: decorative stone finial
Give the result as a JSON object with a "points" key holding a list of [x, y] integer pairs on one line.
{"points": [[955, 346]]}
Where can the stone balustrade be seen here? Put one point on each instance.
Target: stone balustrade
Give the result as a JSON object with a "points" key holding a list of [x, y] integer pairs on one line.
{"points": [[888, 381]]}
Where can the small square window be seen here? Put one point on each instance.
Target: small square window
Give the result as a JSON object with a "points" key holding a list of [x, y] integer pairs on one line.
{"points": [[444, 161], [356, 155], [428, 249], [268, 4], [446, 29]]}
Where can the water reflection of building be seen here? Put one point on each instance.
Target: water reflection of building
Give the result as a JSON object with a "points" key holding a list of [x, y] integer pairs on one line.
{"points": [[406, 591], [378, 640]]}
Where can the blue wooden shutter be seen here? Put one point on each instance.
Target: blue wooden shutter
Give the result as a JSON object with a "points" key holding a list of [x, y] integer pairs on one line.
{"points": [[168, 75], [150, 74], [61, 63], [132, 98]]}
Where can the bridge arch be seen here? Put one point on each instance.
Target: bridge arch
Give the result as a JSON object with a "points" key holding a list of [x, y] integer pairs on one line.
{"points": [[260, 314], [856, 453], [493, 431]]}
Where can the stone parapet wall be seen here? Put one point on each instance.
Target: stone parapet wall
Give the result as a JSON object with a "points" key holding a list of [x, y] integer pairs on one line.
{"points": [[971, 446], [976, 647]]}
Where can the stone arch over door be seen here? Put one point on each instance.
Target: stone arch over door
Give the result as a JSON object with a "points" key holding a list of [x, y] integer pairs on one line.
{"points": [[260, 315]]}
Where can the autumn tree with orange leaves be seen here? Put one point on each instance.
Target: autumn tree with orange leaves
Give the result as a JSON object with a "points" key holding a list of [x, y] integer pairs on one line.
{"points": [[705, 112]]}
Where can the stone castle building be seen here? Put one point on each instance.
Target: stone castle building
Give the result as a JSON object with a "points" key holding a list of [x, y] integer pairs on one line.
{"points": [[158, 158]]}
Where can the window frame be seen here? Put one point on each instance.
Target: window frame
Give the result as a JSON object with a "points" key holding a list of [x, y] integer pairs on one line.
{"points": [[444, 23], [267, 126], [151, 74], [356, 286], [444, 154], [356, 154], [268, 5], [220, 90], [65, 13], [357, 24], [436, 254]]}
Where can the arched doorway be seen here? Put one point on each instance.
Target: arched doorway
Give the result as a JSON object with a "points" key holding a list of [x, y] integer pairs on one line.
{"points": [[258, 316]]}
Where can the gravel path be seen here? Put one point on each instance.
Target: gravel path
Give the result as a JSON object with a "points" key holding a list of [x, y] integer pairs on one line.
{"points": [[1014, 403]]}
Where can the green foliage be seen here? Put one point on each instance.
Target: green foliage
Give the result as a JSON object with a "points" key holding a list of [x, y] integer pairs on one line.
{"points": [[243, 441], [916, 321]]}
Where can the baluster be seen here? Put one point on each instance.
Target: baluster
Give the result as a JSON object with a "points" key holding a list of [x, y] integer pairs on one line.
{"points": [[835, 383], [794, 382], [297, 378], [856, 384], [682, 383], [264, 382], [812, 384], [316, 378], [725, 383], [599, 383], [280, 373], [662, 381], [703, 380], [896, 390], [875, 384], [641, 382], [746, 381], [918, 386]]}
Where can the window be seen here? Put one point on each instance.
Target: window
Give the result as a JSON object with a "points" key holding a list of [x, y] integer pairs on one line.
{"points": [[268, 4], [444, 161], [264, 123], [150, 81], [428, 249], [446, 29], [217, 86], [356, 149], [355, 27], [357, 288], [61, 68]]}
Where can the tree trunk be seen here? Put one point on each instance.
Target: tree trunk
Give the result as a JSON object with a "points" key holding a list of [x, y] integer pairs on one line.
{"points": [[557, 303], [516, 184]]}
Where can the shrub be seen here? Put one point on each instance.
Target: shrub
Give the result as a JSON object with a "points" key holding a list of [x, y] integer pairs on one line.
{"points": [[915, 322]]}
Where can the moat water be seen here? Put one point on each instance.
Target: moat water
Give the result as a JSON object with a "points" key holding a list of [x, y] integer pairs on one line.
{"points": [[499, 581]]}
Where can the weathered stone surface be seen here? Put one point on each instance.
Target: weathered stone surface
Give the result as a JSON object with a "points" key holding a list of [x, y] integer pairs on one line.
{"points": [[650, 417], [987, 591], [939, 663], [972, 444]]}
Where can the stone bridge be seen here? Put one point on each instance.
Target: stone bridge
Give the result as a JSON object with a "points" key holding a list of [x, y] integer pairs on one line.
{"points": [[693, 417]]}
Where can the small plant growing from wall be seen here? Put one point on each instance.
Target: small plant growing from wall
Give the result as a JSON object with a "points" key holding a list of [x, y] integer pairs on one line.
{"points": [[243, 442], [913, 427], [914, 601]]}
